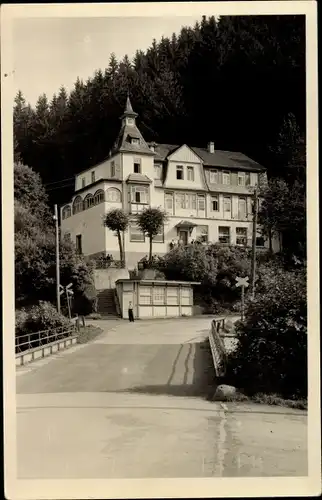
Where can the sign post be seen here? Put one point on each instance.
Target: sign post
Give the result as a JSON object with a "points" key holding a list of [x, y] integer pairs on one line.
{"points": [[243, 283], [69, 294]]}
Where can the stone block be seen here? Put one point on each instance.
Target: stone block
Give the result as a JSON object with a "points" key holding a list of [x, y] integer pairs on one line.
{"points": [[225, 393]]}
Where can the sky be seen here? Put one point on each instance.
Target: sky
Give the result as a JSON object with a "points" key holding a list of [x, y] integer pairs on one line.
{"points": [[50, 52]]}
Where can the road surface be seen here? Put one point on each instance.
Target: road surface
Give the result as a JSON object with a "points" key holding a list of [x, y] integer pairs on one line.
{"points": [[133, 404]]}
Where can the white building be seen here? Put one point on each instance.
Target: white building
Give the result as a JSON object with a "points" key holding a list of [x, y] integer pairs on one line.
{"points": [[206, 193]]}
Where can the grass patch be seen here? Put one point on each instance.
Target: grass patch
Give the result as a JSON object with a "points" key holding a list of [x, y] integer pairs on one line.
{"points": [[277, 400], [88, 334]]}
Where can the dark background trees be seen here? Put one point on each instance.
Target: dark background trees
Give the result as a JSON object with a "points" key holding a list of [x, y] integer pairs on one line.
{"points": [[239, 81]]}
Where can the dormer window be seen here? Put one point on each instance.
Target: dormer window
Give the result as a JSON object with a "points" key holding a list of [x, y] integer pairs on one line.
{"points": [[179, 172], [135, 141], [137, 166]]}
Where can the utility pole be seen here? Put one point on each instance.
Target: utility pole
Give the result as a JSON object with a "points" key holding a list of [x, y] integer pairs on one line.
{"points": [[57, 259], [253, 271]]}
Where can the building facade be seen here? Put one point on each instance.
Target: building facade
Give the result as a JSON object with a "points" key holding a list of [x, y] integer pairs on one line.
{"points": [[207, 195]]}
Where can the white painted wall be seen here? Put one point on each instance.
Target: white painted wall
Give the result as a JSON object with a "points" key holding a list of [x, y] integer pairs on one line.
{"points": [[102, 171]]}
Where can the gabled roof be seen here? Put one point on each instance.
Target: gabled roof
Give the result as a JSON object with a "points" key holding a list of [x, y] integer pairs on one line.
{"points": [[227, 159], [219, 158]]}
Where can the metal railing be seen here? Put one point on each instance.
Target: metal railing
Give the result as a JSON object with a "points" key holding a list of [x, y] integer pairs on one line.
{"points": [[217, 346], [29, 341], [105, 263]]}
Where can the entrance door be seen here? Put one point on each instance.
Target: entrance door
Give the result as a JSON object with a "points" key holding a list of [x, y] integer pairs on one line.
{"points": [[183, 236]]}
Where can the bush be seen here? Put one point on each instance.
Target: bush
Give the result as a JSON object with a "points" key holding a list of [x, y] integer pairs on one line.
{"points": [[271, 355], [44, 316]]}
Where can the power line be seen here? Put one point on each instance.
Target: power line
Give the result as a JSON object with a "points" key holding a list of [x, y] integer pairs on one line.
{"points": [[57, 182], [70, 184]]}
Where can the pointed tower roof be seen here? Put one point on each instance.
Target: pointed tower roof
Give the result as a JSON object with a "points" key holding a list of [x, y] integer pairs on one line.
{"points": [[130, 138], [128, 111]]}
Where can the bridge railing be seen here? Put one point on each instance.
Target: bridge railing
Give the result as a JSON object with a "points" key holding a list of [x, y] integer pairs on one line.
{"points": [[218, 350], [29, 341]]}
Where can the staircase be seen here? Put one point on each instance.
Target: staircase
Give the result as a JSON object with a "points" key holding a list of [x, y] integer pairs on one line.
{"points": [[106, 306]]}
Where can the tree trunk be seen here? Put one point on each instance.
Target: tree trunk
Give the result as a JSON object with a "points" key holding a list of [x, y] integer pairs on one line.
{"points": [[150, 250], [121, 247], [270, 240]]}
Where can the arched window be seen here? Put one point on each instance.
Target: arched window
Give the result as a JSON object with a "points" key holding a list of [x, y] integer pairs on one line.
{"points": [[113, 194], [78, 205], [67, 212], [99, 197], [88, 201]]}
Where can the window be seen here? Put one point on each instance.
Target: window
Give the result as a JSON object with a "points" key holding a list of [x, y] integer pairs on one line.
{"points": [[157, 171], [88, 201], [201, 203], [226, 178], [179, 172], [159, 238], [247, 179], [202, 234], [241, 236], [136, 233], [191, 201], [112, 168], [139, 194], [242, 208], [78, 205], [213, 176], [215, 203], [260, 242], [145, 295], [66, 212], [99, 197], [224, 235], [83, 182], [254, 179], [113, 195], [180, 200], [137, 166], [158, 295], [241, 178], [190, 174], [79, 249], [135, 141], [227, 204], [172, 296], [168, 200], [93, 176], [186, 296]]}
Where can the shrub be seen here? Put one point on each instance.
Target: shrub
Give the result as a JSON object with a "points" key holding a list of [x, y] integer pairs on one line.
{"points": [[271, 355], [43, 316]]}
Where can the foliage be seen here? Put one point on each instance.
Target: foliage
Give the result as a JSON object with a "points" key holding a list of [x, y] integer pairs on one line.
{"points": [[30, 193], [172, 86], [35, 246], [151, 222], [283, 211], [271, 356], [42, 316], [117, 220], [215, 267]]}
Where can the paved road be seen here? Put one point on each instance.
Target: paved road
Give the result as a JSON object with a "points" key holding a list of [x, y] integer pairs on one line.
{"points": [[134, 404]]}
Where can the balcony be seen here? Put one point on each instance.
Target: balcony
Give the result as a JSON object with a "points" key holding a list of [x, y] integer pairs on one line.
{"points": [[137, 208]]}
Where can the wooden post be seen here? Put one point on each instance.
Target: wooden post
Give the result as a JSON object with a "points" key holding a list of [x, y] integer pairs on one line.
{"points": [[57, 260], [68, 304], [253, 271], [242, 302]]}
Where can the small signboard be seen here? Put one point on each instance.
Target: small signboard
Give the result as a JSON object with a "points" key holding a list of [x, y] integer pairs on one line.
{"points": [[242, 281], [61, 289]]}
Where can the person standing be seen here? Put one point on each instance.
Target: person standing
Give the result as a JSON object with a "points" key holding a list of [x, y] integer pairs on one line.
{"points": [[131, 316]]}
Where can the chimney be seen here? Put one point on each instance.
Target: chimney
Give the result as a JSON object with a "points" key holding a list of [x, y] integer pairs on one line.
{"points": [[152, 146], [211, 147]]}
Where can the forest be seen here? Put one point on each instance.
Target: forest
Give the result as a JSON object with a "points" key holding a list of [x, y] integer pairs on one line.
{"points": [[238, 81]]}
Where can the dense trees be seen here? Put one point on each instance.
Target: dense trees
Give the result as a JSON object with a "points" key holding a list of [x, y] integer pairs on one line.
{"points": [[239, 81]]}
